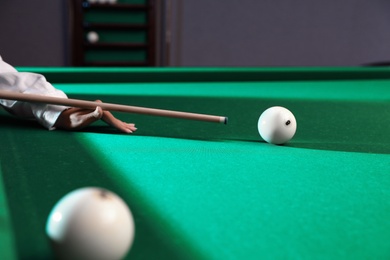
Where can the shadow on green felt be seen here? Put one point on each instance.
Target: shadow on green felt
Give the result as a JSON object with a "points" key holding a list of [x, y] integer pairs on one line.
{"points": [[351, 126], [35, 179], [7, 120]]}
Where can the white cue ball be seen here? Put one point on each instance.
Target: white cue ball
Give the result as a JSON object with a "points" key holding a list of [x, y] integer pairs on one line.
{"points": [[92, 37], [90, 223], [277, 125]]}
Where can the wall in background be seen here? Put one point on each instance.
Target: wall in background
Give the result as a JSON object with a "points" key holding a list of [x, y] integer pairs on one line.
{"points": [[33, 33], [280, 32], [221, 33]]}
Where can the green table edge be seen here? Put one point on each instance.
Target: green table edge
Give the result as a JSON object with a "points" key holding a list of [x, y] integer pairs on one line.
{"points": [[205, 74]]}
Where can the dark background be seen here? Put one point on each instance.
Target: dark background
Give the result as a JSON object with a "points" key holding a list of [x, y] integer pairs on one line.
{"points": [[220, 33]]}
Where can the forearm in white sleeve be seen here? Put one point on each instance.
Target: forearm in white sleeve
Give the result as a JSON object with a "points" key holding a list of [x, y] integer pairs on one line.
{"points": [[23, 82]]}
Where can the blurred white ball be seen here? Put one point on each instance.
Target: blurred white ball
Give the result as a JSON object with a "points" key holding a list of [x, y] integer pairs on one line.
{"points": [[92, 37], [90, 223]]}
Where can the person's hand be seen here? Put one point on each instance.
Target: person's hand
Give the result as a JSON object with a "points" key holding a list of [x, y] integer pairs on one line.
{"points": [[118, 124], [77, 118]]}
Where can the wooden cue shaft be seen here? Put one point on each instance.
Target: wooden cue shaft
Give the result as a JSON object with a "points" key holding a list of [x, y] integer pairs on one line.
{"points": [[33, 98]]}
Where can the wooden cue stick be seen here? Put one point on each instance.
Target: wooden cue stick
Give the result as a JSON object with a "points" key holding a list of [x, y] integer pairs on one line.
{"points": [[33, 98]]}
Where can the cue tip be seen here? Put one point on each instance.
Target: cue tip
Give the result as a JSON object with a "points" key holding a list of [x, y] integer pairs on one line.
{"points": [[225, 121]]}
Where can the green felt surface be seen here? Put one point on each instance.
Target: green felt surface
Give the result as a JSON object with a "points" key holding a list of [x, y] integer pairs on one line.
{"points": [[212, 191], [363, 90], [7, 243], [336, 115], [236, 200]]}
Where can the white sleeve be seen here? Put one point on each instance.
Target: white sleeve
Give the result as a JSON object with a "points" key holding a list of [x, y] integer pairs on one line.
{"points": [[24, 82]]}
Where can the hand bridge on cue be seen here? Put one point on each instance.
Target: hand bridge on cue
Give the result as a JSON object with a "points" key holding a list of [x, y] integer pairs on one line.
{"points": [[34, 98]]}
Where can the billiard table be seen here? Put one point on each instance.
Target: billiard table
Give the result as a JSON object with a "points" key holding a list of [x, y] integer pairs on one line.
{"points": [[201, 190]]}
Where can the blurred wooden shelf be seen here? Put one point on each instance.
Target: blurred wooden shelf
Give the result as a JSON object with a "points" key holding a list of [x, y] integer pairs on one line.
{"points": [[136, 39], [115, 45], [116, 64], [115, 26], [116, 6]]}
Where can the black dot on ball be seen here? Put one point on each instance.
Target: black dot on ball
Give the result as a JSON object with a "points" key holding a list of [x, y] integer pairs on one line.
{"points": [[104, 194], [288, 122]]}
